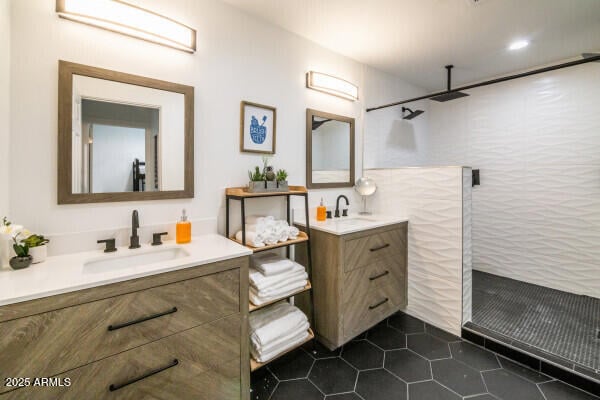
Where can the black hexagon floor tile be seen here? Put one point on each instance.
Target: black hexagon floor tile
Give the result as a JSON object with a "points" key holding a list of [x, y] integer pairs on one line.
{"points": [[428, 346], [333, 375], [363, 355], [407, 365], [343, 396], [262, 384], [441, 334], [317, 350], [457, 376], [293, 365], [522, 371], [561, 391], [508, 386], [387, 338], [430, 390], [299, 389], [474, 356], [406, 323], [379, 384]]}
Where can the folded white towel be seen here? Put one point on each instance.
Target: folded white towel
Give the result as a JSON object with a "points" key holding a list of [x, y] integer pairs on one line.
{"points": [[281, 289], [280, 340], [259, 300], [271, 263], [293, 342], [252, 238], [261, 317], [260, 281], [276, 327], [283, 343]]}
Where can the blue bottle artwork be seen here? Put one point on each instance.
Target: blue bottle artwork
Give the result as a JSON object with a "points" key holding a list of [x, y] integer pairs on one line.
{"points": [[258, 133]]}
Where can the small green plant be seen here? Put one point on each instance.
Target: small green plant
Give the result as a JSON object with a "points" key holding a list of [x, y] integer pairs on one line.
{"points": [[282, 175], [35, 241], [5, 221], [256, 176], [20, 247]]}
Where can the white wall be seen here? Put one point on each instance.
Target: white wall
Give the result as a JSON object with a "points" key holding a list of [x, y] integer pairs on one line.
{"points": [[238, 58], [4, 105], [432, 199], [536, 215]]}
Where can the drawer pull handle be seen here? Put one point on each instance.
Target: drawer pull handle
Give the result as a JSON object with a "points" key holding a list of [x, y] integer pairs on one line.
{"points": [[383, 246], [378, 304], [114, 387], [143, 319], [372, 278]]}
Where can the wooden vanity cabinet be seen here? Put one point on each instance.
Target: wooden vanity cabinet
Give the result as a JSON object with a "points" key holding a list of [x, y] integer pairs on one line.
{"points": [[359, 279], [184, 333]]}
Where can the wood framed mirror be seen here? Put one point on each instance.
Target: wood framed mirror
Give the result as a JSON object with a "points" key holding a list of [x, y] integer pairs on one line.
{"points": [[123, 137], [329, 150]]}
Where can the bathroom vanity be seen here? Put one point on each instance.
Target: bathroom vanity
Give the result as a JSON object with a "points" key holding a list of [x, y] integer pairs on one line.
{"points": [[359, 274], [173, 329]]}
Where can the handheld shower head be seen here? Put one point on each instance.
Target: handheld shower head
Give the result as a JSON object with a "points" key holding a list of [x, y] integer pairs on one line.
{"points": [[411, 114]]}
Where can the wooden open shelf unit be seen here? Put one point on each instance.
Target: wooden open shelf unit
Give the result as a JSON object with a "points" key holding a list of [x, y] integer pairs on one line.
{"points": [[254, 365]]}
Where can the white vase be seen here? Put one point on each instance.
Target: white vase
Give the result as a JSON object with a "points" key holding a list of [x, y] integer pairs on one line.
{"points": [[5, 250], [39, 253]]}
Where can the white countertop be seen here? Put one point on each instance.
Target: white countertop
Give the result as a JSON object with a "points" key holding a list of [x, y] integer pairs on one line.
{"points": [[68, 273], [352, 223]]}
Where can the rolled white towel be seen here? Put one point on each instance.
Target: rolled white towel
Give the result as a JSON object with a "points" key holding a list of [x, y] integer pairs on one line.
{"points": [[252, 238], [275, 328], [291, 343], [261, 281], [270, 238], [293, 232]]}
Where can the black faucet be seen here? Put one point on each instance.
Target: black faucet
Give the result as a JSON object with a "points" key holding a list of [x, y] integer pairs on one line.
{"points": [[134, 242], [337, 206]]}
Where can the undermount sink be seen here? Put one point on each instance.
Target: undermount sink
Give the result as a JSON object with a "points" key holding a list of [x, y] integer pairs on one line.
{"points": [[134, 258]]}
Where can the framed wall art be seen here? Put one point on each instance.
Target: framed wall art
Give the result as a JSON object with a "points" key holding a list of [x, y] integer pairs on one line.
{"points": [[258, 124]]}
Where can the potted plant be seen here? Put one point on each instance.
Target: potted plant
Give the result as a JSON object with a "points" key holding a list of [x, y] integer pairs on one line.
{"points": [[37, 247], [5, 240], [282, 179], [22, 259], [257, 180]]}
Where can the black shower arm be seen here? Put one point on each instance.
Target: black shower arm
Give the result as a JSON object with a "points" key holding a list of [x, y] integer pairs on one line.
{"points": [[492, 81]]}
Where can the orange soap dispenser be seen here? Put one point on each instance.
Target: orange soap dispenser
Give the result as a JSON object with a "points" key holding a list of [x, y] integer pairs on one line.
{"points": [[321, 212], [183, 230]]}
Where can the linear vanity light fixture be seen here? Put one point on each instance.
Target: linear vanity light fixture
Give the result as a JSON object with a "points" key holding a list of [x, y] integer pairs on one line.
{"points": [[331, 85], [130, 20]]}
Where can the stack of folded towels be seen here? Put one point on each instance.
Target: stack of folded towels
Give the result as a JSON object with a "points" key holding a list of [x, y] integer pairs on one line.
{"points": [[273, 276], [261, 231], [275, 329]]}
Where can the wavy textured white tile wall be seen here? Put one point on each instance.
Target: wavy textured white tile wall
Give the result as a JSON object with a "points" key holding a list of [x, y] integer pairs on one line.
{"points": [[432, 199], [536, 215]]}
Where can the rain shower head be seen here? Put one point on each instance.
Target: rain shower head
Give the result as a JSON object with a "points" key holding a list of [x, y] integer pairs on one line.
{"points": [[412, 114], [449, 95]]}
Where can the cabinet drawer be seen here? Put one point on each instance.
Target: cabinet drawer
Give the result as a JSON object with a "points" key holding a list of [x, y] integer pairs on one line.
{"points": [[207, 367], [364, 250], [371, 294], [53, 342]]}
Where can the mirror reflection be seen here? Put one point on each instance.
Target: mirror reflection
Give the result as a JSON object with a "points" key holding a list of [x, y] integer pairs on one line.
{"points": [[126, 138], [331, 152]]}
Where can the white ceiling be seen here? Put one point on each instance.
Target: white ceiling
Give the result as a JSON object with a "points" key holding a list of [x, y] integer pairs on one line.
{"points": [[414, 39]]}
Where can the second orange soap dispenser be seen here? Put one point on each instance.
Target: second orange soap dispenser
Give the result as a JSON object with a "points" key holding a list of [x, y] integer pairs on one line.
{"points": [[321, 212]]}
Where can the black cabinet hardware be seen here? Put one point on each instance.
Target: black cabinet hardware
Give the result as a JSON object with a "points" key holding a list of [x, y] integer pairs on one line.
{"points": [[110, 245], [114, 387], [143, 319], [378, 304], [383, 246], [372, 278], [156, 238]]}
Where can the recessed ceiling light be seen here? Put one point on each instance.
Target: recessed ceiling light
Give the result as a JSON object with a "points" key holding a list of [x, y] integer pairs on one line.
{"points": [[518, 44]]}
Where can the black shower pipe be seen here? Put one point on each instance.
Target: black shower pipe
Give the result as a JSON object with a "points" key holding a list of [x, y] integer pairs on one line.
{"points": [[493, 81]]}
